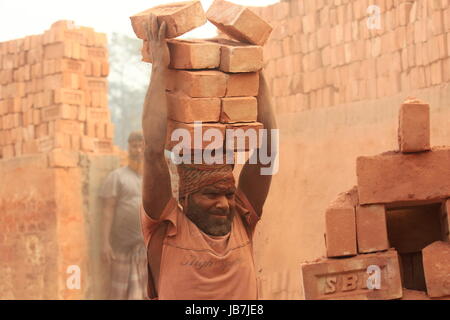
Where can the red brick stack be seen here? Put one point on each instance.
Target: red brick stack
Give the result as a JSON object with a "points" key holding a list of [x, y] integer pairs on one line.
{"points": [[214, 81], [54, 92], [397, 218]]}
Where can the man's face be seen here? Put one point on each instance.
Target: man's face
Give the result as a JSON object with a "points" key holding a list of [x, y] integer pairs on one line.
{"points": [[136, 150], [212, 209]]}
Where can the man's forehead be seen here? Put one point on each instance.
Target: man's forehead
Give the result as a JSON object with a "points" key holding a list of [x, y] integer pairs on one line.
{"points": [[220, 186]]}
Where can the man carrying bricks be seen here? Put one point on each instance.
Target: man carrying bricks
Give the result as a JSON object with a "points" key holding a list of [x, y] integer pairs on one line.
{"points": [[199, 247], [123, 245]]}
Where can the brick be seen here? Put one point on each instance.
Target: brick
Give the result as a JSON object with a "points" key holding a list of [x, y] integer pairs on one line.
{"points": [[243, 136], [100, 130], [99, 99], [63, 25], [198, 84], [414, 127], [423, 176], [58, 50], [13, 105], [97, 54], [239, 109], [68, 65], [340, 227], [30, 147], [62, 80], [436, 264], [109, 130], [180, 17], [94, 114], [371, 228], [90, 129], [87, 144], [182, 108], [194, 138], [104, 68], [71, 127], [75, 142], [96, 68], [336, 279], [239, 22], [242, 84], [61, 111], [47, 144], [237, 57], [41, 130], [69, 96], [94, 83], [82, 111], [60, 158], [193, 54], [103, 146]]}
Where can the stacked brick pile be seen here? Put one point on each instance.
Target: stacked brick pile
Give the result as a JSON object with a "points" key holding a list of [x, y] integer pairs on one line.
{"points": [[397, 219], [214, 81], [53, 92], [322, 53]]}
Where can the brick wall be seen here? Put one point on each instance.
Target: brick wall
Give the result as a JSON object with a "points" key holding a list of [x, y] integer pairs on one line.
{"points": [[55, 151], [54, 92], [337, 89], [322, 53]]}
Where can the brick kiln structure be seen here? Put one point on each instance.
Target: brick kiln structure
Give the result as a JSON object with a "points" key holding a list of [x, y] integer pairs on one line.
{"points": [[396, 218], [55, 149]]}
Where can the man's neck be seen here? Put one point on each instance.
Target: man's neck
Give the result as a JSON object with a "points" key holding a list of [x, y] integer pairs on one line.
{"points": [[136, 166]]}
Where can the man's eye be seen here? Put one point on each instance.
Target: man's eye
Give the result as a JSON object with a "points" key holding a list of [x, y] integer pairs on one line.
{"points": [[230, 195]]}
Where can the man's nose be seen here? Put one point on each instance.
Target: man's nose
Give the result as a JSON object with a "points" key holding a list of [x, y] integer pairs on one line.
{"points": [[222, 203]]}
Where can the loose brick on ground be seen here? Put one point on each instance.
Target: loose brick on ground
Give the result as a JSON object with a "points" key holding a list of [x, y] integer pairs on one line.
{"points": [[371, 228], [436, 264], [414, 127], [340, 227], [342, 279], [423, 176]]}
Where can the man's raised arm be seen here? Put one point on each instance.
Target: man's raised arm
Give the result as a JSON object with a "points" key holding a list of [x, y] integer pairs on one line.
{"points": [[156, 190], [255, 185]]}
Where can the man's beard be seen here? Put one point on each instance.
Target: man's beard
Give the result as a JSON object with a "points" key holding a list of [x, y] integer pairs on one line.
{"points": [[207, 222]]}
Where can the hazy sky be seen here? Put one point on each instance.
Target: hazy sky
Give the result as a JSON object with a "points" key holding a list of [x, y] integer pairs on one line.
{"points": [[19, 18]]}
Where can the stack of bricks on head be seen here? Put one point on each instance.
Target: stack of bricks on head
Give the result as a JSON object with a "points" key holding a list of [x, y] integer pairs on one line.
{"points": [[53, 94], [214, 81]]}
